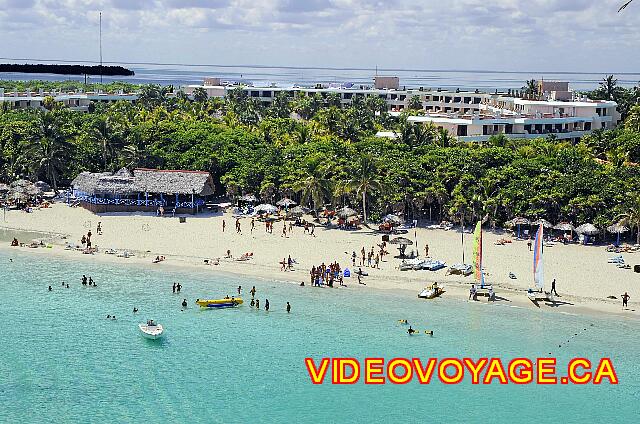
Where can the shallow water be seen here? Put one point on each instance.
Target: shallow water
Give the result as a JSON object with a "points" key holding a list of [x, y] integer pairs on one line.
{"points": [[64, 361]]}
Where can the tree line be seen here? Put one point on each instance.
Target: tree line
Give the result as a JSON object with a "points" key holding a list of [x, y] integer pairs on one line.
{"points": [[312, 149]]}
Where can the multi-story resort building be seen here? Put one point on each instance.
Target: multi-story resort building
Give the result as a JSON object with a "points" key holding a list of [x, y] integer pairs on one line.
{"points": [[75, 100], [468, 115]]}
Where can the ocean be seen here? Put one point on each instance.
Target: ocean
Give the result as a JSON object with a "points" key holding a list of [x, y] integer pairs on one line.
{"points": [[62, 361], [486, 80]]}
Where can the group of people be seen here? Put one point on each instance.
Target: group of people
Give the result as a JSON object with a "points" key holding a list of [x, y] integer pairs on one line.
{"points": [[323, 274], [88, 282], [287, 264], [370, 259], [256, 302], [473, 293], [86, 240], [177, 287]]}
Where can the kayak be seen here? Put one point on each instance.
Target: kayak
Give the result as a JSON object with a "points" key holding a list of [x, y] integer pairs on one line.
{"points": [[220, 303]]}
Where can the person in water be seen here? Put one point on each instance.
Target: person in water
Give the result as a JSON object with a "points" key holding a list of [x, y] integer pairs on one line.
{"points": [[84, 280], [253, 302], [184, 303], [253, 291], [411, 331], [50, 289], [288, 307], [90, 281], [178, 288], [257, 303], [135, 310], [174, 287], [239, 290], [266, 305]]}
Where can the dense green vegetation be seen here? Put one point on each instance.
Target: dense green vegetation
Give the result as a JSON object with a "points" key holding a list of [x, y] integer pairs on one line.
{"points": [[69, 85], [327, 155]]}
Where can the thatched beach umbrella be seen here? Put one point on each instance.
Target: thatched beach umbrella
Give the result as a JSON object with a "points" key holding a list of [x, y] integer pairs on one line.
{"points": [[297, 211], [564, 226], [43, 186], [266, 208], [617, 229], [249, 198], [346, 212], [520, 221], [544, 222], [286, 202], [402, 243], [588, 229], [394, 219]]}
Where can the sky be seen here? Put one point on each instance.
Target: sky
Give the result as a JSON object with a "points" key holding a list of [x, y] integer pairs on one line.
{"points": [[506, 35]]}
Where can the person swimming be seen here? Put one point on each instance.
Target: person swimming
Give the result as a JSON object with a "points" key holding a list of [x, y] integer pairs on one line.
{"points": [[50, 289], [411, 331], [135, 309], [184, 303]]}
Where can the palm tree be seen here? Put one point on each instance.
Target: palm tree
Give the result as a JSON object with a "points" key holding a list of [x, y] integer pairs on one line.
{"points": [[609, 86], [632, 217], [313, 184], [366, 179], [531, 88]]}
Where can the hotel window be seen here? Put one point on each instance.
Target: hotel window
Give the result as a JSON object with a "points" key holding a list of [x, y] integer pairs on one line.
{"points": [[587, 126], [476, 100], [402, 97], [467, 99], [266, 94], [347, 96]]}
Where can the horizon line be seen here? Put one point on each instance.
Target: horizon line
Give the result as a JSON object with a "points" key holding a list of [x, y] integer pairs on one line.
{"points": [[330, 68]]}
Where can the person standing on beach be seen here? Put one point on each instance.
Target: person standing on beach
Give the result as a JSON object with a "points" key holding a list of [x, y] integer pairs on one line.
{"points": [[253, 224], [353, 258], [224, 224], [529, 244], [284, 230], [553, 287], [426, 250], [288, 307], [99, 229], [473, 292], [625, 300], [238, 229]]}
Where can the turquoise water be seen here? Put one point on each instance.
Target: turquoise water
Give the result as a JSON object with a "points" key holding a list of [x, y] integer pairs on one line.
{"points": [[62, 361]]}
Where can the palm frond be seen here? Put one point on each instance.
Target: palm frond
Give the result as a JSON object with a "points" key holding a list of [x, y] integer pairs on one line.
{"points": [[624, 6]]}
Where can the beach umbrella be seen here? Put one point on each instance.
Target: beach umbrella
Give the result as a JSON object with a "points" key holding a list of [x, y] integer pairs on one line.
{"points": [[403, 241], [4, 188], [297, 211], [266, 208], [564, 226], [43, 186], [544, 222], [588, 229], [617, 229], [21, 183], [249, 198], [520, 221], [394, 219], [346, 212], [286, 202]]}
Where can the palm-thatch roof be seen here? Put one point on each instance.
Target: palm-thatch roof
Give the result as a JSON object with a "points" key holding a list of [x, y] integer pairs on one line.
{"points": [[4, 188], [564, 226], [520, 221], [588, 229], [401, 241], [617, 229], [544, 222], [346, 212], [144, 180]]}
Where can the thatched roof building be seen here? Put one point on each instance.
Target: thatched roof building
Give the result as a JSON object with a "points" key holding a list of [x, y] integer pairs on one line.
{"points": [[143, 189], [142, 180]]}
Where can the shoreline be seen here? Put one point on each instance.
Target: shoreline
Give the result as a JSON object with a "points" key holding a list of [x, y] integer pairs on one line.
{"points": [[406, 283]]}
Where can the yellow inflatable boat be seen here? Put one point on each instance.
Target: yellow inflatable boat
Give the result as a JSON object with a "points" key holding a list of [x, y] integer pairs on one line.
{"points": [[220, 303]]}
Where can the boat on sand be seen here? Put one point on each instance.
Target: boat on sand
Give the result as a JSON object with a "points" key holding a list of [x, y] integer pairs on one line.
{"points": [[431, 292]]}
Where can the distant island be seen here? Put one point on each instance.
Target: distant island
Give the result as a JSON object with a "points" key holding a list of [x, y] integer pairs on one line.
{"points": [[65, 69]]}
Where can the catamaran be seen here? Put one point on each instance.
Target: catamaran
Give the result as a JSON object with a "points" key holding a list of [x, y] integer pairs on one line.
{"points": [[538, 270]]}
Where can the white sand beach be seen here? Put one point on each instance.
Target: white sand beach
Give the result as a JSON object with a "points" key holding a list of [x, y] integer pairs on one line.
{"points": [[584, 278]]}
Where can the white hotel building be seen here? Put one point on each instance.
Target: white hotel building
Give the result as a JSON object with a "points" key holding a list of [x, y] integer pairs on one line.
{"points": [[469, 115]]}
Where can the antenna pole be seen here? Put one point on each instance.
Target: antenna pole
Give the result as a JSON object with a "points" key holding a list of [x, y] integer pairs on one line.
{"points": [[100, 47]]}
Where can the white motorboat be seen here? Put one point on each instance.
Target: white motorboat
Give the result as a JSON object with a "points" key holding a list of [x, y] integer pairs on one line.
{"points": [[431, 292], [151, 330]]}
